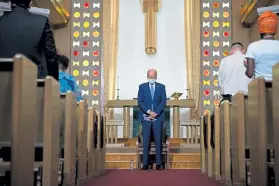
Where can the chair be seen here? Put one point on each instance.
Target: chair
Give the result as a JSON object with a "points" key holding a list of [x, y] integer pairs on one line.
{"points": [[152, 152]]}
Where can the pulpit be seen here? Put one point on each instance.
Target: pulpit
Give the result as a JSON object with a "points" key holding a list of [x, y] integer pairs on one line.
{"points": [[173, 103]]}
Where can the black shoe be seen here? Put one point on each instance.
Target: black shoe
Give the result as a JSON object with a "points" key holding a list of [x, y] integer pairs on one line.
{"points": [[159, 167], [145, 167]]}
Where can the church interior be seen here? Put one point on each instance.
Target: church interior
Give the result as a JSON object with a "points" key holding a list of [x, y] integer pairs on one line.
{"points": [[98, 141]]}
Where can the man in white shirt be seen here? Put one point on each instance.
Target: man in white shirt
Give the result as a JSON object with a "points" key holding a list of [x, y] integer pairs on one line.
{"points": [[232, 77]]}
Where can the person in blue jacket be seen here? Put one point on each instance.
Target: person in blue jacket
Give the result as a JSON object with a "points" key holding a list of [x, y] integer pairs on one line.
{"points": [[67, 81]]}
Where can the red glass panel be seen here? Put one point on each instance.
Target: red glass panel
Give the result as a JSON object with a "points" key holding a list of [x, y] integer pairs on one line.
{"points": [[95, 73], [206, 92], [95, 53], [205, 33], [95, 92], [86, 5], [216, 63], [76, 53], [206, 73], [216, 5], [205, 53], [85, 43], [226, 34]]}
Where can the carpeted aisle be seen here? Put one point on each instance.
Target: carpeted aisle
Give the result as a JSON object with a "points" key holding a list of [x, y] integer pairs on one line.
{"points": [[152, 178]]}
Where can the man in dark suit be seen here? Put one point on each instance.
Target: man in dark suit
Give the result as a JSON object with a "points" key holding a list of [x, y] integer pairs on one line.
{"points": [[152, 100], [28, 34]]}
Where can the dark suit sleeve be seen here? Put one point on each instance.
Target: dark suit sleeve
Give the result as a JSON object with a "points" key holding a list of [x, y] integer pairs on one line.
{"points": [[163, 102], [141, 105], [50, 50]]}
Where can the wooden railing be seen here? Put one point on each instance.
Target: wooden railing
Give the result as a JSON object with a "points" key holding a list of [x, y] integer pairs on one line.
{"points": [[192, 129], [176, 105], [112, 130]]}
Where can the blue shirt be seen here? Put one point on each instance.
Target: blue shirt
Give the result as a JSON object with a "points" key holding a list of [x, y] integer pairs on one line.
{"points": [[68, 83], [266, 55]]}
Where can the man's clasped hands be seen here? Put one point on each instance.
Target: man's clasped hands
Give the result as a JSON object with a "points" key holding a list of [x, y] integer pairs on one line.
{"points": [[152, 115]]}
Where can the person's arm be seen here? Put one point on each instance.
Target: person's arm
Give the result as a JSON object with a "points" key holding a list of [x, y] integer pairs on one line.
{"points": [[49, 49], [163, 102], [77, 91], [250, 67], [221, 73], [141, 105], [250, 62]]}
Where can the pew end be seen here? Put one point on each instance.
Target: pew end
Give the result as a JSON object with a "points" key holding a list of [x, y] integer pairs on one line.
{"points": [[92, 117], [82, 142], [258, 128], [16, 121], [238, 132], [225, 137], [275, 109], [69, 135], [216, 149], [202, 145]]}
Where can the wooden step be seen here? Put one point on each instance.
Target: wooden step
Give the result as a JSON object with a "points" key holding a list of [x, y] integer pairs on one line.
{"points": [[120, 157], [177, 160], [191, 157]]}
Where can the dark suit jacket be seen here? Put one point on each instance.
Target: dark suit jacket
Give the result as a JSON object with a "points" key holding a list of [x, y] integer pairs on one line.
{"points": [[145, 101], [31, 35]]}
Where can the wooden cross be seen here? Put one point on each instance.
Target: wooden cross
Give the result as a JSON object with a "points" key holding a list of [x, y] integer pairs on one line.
{"points": [[150, 9]]}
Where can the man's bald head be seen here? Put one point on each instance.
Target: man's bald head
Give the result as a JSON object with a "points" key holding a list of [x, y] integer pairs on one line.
{"points": [[152, 74]]}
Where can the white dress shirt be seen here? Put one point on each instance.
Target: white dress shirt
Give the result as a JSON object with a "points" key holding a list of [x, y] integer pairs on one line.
{"points": [[232, 77]]}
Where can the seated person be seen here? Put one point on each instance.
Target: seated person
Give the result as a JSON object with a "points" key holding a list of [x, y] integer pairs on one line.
{"points": [[67, 82], [262, 55], [232, 78]]}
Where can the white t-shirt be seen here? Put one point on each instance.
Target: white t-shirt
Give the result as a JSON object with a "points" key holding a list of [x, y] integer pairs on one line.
{"points": [[232, 77], [266, 55]]}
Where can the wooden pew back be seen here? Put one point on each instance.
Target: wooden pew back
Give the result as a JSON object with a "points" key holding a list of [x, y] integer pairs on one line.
{"points": [[209, 147], [238, 134], [217, 122], [51, 132], [275, 109], [258, 128], [225, 128], [69, 127], [90, 142], [82, 142], [18, 116], [202, 145]]}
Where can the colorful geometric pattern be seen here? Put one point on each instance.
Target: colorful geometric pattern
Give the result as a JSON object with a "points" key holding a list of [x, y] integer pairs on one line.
{"points": [[215, 45], [86, 45]]}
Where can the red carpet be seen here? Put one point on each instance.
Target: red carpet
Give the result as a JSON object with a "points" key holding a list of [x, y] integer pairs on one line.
{"points": [[152, 178]]}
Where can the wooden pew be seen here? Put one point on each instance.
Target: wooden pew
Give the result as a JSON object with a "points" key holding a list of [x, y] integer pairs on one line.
{"points": [[98, 149], [260, 129], [275, 109], [68, 136], [51, 121], [216, 150], [17, 119], [48, 122], [225, 125], [103, 145], [90, 142], [239, 138], [209, 147], [82, 142], [202, 144], [206, 131]]}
